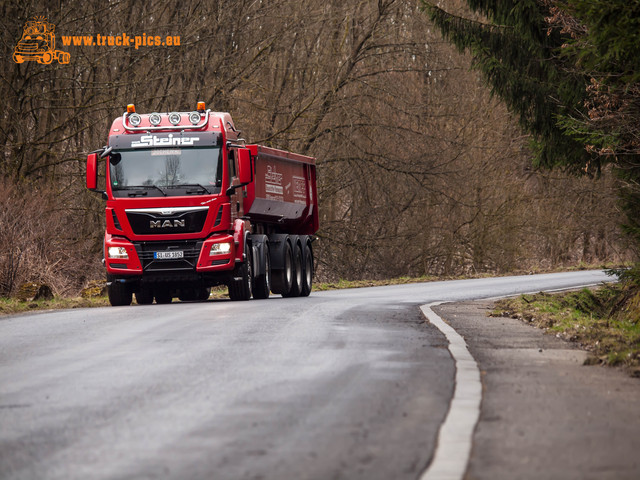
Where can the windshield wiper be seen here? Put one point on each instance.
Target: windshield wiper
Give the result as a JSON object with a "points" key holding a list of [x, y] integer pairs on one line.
{"points": [[141, 190], [198, 188]]}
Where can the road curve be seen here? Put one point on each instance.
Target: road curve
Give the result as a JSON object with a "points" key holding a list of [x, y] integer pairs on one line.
{"points": [[343, 384]]}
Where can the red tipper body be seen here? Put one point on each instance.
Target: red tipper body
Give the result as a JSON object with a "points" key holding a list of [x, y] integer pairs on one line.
{"points": [[188, 202], [283, 191]]}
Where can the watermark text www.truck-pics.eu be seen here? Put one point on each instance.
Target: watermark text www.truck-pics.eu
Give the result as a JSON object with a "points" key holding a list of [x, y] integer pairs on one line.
{"points": [[121, 40]]}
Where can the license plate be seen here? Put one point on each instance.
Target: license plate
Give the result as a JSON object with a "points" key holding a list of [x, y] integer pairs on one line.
{"points": [[168, 255]]}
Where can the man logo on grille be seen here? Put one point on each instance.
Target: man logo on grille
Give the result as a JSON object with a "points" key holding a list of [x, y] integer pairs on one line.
{"points": [[167, 223]]}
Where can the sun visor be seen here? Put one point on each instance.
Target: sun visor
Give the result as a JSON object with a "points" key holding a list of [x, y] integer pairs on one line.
{"points": [[168, 140]]}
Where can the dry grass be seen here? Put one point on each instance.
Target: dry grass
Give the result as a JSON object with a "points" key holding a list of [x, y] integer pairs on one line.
{"points": [[604, 321]]}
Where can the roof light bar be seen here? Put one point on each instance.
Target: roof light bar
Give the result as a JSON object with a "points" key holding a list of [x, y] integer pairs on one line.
{"points": [[131, 121]]}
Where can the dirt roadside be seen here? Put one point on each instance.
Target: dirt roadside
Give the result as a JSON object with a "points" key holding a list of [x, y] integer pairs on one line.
{"points": [[544, 414]]}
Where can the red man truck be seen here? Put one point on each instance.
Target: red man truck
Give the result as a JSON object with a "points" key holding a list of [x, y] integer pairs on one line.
{"points": [[190, 205]]}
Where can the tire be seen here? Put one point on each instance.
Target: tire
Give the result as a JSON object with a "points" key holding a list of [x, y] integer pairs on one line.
{"points": [[63, 57], [241, 289], [144, 296], [195, 295], [262, 282], [281, 280], [119, 294], [307, 271], [296, 281], [203, 294], [163, 296], [46, 58]]}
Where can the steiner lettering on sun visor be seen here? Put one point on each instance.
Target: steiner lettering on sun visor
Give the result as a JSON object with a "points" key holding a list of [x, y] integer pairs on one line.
{"points": [[155, 141], [164, 140]]}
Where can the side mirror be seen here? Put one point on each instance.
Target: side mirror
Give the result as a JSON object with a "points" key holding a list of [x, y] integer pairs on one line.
{"points": [[245, 170], [92, 171]]}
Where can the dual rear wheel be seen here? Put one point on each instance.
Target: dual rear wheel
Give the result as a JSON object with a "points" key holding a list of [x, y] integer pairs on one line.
{"points": [[284, 267], [297, 272]]}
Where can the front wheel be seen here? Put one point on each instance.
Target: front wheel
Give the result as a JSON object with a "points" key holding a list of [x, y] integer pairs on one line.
{"points": [[46, 58], [119, 294], [240, 286]]}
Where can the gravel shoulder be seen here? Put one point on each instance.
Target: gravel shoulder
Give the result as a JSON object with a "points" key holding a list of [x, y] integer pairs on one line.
{"points": [[544, 414]]}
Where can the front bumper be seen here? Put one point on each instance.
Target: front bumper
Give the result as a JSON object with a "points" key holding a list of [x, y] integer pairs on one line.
{"points": [[167, 257]]}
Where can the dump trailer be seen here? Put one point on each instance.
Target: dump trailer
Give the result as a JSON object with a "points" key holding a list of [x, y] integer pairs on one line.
{"points": [[190, 205]]}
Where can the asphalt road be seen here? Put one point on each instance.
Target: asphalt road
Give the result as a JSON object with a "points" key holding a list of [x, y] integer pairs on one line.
{"points": [[343, 384]]}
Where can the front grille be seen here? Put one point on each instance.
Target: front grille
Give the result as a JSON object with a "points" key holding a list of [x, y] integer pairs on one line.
{"points": [[167, 221], [27, 48], [191, 250]]}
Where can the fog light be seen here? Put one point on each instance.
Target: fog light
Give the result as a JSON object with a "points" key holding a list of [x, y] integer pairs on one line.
{"points": [[117, 252], [220, 248]]}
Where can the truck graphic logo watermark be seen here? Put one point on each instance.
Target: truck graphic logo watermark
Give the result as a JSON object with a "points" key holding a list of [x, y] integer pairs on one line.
{"points": [[38, 42]]}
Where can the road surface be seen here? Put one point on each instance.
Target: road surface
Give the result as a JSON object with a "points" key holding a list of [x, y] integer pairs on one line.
{"points": [[343, 384]]}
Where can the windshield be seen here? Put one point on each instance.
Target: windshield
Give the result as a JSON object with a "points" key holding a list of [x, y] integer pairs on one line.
{"points": [[165, 171]]}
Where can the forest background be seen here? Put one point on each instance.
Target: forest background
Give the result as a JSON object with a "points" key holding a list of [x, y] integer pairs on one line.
{"points": [[421, 170]]}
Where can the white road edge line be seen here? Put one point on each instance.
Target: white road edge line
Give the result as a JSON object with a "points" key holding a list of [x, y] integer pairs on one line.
{"points": [[453, 448]]}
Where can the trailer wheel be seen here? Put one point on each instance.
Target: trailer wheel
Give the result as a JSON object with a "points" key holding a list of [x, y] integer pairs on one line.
{"points": [[62, 57], [307, 271], [282, 257], [144, 296], [296, 281], [119, 294], [262, 282], [240, 286]]}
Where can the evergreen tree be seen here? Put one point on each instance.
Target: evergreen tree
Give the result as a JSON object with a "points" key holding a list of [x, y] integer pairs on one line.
{"points": [[605, 45], [517, 53]]}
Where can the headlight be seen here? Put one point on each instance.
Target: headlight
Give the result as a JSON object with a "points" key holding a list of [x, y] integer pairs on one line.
{"points": [[117, 252], [220, 248]]}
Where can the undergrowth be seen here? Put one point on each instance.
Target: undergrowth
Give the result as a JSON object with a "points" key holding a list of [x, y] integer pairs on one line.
{"points": [[604, 321]]}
